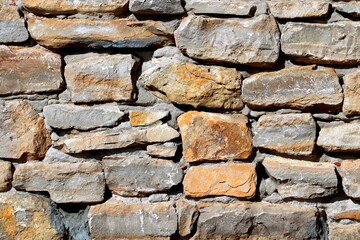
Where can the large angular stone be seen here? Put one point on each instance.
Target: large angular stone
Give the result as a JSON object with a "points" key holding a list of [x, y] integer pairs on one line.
{"points": [[291, 134], [28, 216], [239, 41], [351, 8], [350, 173], [302, 179], [340, 137], [333, 43], [65, 116], [66, 182], [233, 179], [118, 220], [100, 77], [299, 9], [213, 136], [49, 7], [344, 231], [245, 220], [5, 176], [23, 135], [298, 88], [167, 7], [196, 85], [117, 33], [351, 104], [29, 70], [132, 175], [187, 215]]}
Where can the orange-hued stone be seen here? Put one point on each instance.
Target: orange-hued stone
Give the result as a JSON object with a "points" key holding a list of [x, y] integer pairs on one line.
{"points": [[237, 180], [144, 118], [213, 136]]}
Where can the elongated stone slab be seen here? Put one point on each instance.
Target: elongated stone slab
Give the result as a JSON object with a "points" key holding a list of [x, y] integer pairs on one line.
{"points": [[298, 88], [351, 86], [350, 173], [118, 33], [167, 7], [12, 26], [351, 8], [333, 43], [145, 118], [230, 40]]}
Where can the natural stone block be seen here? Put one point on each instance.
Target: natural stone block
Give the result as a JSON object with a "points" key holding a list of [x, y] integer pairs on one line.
{"points": [[213, 136], [333, 43], [65, 116], [187, 215], [116, 33], [118, 220], [291, 134], [298, 88], [166, 7], [238, 41], [23, 135], [100, 77], [233, 179], [29, 70], [5, 176], [344, 231], [12, 26], [166, 150], [351, 104], [145, 118], [302, 179], [351, 8], [350, 173], [66, 182]]}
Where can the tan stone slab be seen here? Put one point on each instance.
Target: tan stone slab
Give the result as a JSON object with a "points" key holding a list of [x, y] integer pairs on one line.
{"points": [[350, 173], [344, 231], [145, 118], [12, 26], [5, 176], [351, 86]]}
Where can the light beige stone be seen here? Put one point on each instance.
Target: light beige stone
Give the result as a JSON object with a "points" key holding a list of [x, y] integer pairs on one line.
{"points": [[351, 86], [350, 173], [5, 176]]}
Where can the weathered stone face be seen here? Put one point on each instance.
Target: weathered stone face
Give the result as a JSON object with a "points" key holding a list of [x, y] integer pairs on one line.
{"points": [[230, 40], [12, 26], [298, 88], [23, 135], [119, 33], [351, 8], [237, 180], [187, 215], [5, 176], [118, 220], [29, 70], [291, 134], [349, 171], [166, 150], [167, 7], [351, 104], [342, 231], [212, 136], [333, 43], [145, 118]]}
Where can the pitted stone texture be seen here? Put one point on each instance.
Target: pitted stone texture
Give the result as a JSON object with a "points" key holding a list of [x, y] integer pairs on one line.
{"points": [[291, 134], [12, 26], [166, 7], [233, 179], [333, 43], [65, 116], [195, 85], [29, 70], [66, 182], [350, 173], [118, 220], [187, 215], [351, 8], [136, 176], [302, 179], [5, 176], [297, 88], [145, 118], [50, 7], [245, 220], [117, 33], [213, 136], [299, 9], [351, 104], [100, 77], [23, 135], [344, 231], [230, 40], [28, 216], [340, 136]]}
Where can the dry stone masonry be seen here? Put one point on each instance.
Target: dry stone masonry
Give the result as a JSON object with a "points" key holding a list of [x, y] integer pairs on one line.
{"points": [[179, 119]]}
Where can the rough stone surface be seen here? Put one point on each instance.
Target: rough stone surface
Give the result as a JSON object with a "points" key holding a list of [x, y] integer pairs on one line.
{"points": [[136, 175], [5, 176], [167, 7], [302, 179], [291, 134], [118, 33], [351, 104], [145, 118], [29, 70], [212, 136], [351, 8], [340, 231], [187, 215], [233, 179], [340, 137], [66, 182], [65, 116], [230, 40], [350, 173], [333, 43], [166, 150], [12, 26], [196, 85], [100, 77], [118, 220], [298, 88], [28, 216], [23, 135]]}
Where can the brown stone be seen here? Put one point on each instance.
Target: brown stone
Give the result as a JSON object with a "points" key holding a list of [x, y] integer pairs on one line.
{"points": [[212, 136], [12, 26], [187, 215], [351, 104], [5, 176], [23, 135], [233, 179], [350, 173], [144, 118]]}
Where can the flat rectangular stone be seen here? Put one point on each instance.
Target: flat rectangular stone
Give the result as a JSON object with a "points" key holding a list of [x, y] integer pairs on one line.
{"points": [[165, 150], [351, 86], [165, 7], [12, 26], [350, 173]]}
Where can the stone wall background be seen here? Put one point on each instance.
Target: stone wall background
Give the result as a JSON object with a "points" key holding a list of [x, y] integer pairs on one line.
{"points": [[200, 119]]}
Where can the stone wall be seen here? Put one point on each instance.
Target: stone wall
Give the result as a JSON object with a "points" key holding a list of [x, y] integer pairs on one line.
{"points": [[195, 119]]}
